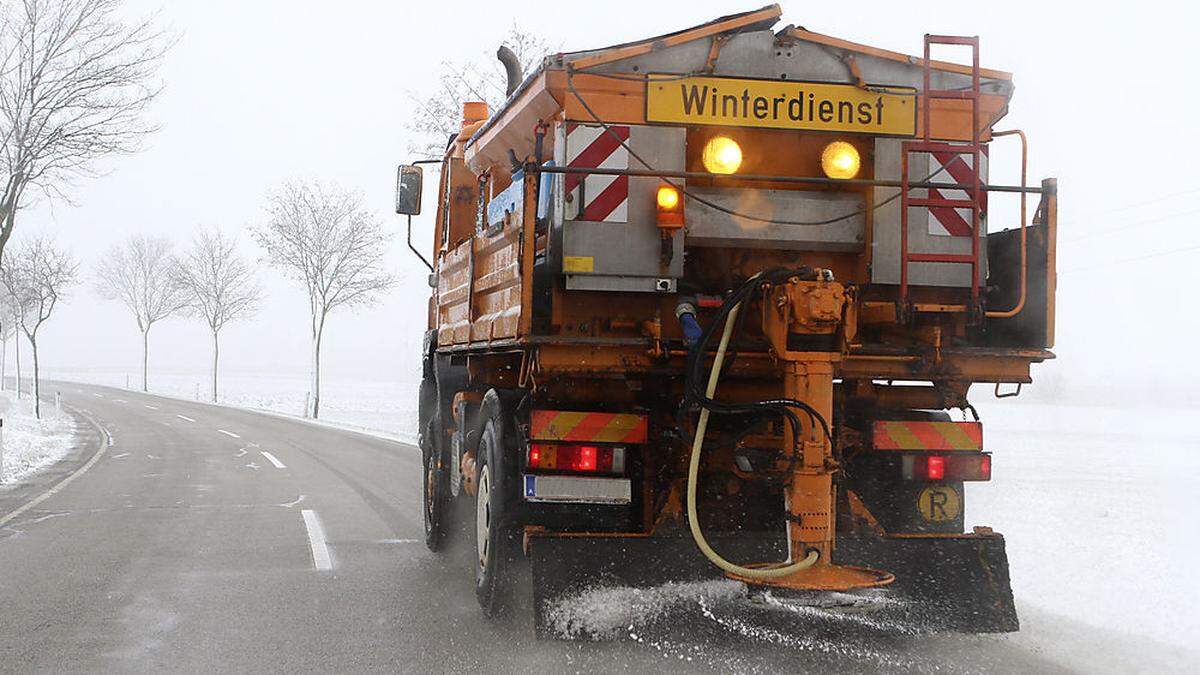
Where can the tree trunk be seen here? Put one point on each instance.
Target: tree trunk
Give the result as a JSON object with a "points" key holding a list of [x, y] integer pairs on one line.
{"points": [[3, 362], [145, 359], [216, 353], [316, 369], [17, 349], [37, 386]]}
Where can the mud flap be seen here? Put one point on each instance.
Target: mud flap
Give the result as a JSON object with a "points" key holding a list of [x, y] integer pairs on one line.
{"points": [[955, 583], [566, 566], [949, 583]]}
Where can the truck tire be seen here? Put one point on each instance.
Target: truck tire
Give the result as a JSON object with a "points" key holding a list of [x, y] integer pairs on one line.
{"points": [[433, 470], [495, 534]]}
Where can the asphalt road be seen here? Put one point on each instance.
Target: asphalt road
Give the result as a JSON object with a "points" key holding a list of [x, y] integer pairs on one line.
{"points": [[204, 538]]}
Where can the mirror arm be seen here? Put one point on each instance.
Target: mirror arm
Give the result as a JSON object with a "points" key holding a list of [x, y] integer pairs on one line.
{"points": [[414, 248]]}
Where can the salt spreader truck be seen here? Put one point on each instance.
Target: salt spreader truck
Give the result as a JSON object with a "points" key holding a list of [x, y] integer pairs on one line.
{"points": [[711, 304]]}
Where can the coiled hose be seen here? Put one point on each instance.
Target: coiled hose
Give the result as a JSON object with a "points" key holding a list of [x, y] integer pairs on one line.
{"points": [[694, 473]]}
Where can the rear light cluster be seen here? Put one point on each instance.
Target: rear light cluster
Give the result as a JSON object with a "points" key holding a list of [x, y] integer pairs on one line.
{"points": [[949, 467], [577, 458]]}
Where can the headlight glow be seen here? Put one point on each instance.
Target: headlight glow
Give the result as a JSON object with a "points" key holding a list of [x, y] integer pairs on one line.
{"points": [[722, 155], [840, 160]]}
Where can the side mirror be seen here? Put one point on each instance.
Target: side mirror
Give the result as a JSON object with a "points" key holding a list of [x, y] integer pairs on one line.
{"points": [[409, 179]]}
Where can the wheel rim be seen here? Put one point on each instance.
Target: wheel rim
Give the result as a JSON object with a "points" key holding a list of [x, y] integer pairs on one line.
{"points": [[483, 516], [430, 475]]}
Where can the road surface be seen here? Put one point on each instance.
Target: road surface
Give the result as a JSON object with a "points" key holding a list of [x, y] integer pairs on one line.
{"points": [[193, 537]]}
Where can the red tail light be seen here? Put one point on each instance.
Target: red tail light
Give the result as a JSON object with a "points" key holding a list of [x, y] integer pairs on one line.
{"points": [[935, 467], [580, 458], [965, 466]]}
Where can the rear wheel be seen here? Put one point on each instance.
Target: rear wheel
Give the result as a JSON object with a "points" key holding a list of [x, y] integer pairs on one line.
{"points": [[433, 472], [495, 540]]}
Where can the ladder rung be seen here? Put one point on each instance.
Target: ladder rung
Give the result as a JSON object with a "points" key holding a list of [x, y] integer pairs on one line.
{"points": [[944, 203], [958, 259], [968, 40], [955, 94], [940, 146]]}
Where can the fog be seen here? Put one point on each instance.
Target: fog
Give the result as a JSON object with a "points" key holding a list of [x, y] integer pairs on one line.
{"points": [[260, 92]]}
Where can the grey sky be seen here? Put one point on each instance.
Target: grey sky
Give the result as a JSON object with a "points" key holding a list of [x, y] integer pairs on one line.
{"points": [[261, 91]]}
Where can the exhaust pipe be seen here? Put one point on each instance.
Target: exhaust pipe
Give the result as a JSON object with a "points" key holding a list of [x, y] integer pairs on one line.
{"points": [[512, 68]]}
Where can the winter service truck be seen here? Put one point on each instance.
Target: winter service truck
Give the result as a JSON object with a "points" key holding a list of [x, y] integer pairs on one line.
{"points": [[711, 304]]}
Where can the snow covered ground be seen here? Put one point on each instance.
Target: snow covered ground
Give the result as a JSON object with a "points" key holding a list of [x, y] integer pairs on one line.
{"points": [[1098, 509], [31, 444], [385, 406]]}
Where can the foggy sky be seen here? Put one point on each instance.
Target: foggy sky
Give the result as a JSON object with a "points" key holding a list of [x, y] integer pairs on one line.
{"points": [[257, 92]]}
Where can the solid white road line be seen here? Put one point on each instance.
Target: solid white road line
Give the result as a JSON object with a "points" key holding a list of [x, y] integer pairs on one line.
{"points": [[104, 446], [228, 433], [272, 459], [151, 407], [185, 418], [316, 540]]}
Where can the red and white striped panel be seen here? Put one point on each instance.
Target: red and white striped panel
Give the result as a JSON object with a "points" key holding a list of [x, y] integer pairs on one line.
{"points": [[604, 198], [949, 222]]}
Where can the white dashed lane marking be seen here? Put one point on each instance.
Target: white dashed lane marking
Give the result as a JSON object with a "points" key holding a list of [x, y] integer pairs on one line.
{"points": [[151, 407], [185, 418], [322, 561], [273, 459], [228, 433]]}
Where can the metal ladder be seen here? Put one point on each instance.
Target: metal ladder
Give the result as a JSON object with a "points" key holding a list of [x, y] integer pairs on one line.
{"points": [[928, 146]]}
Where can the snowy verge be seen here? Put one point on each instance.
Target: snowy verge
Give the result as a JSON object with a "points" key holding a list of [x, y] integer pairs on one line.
{"points": [[30, 444]]}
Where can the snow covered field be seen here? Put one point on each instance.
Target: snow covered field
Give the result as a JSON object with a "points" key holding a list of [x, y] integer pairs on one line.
{"points": [[1097, 506], [385, 406], [31, 444]]}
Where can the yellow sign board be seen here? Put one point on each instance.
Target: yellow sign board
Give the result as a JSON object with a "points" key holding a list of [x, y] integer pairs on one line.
{"points": [[782, 104]]}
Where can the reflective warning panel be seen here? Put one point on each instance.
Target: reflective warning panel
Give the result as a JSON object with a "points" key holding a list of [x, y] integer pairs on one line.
{"points": [[782, 104], [899, 435], [582, 427]]}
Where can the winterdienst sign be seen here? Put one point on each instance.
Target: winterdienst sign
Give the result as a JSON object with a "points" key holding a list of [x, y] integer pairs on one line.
{"points": [[782, 104]]}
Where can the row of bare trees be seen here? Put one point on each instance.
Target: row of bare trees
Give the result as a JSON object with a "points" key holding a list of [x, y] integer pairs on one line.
{"points": [[318, 235], [76, 78], [34, 277]]}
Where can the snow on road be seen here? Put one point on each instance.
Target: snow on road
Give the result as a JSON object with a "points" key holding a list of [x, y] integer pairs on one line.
{"points": [[31, 444]]}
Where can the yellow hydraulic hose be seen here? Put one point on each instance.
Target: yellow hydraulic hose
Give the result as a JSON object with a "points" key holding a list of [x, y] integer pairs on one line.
{"points": [[694, 472]]}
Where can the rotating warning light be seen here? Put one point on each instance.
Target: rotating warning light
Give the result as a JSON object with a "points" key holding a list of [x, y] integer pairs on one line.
{"points": [[722, 155], [840, 160], [668, 198]]}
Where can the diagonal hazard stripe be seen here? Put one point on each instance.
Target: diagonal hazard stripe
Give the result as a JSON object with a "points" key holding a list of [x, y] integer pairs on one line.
{"points": [[557, 425], [595, 154], [607, 201], [949, 218]]}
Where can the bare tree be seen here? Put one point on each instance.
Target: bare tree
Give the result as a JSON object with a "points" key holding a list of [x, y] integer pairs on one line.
{"points": [[322, 237], [36, 275], [75, 79], [220, 286], [436, 117], [8, 328], [141, 274], [14, 313]]}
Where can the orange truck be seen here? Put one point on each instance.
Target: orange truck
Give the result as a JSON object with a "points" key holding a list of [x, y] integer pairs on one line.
{"points": [[710, 304]]}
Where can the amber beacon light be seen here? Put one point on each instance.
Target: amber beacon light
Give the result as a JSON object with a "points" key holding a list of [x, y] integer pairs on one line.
{"points": [[840, 160], [722, 155]]}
